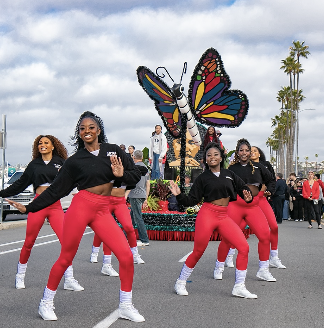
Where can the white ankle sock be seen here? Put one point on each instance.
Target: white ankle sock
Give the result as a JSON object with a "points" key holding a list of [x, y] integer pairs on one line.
{"points": [[134, 250], [106, 259], [263, 264], [240, 276], [274, 252], [125, 297], [231, 251], [69, 272], [185, 273], [219, 264], [21, 268], [95, 249], [48, 294]]}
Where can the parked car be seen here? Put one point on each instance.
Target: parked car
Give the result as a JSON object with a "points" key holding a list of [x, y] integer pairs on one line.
{"points": [[27, 196]]}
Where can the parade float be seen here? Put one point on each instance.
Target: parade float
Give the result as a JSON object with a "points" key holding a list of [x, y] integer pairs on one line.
{"points": [[210, 102]]}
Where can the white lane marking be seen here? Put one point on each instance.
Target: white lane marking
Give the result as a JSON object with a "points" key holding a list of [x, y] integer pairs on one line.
{"points": [[39, 244], [21, 241], [108, 321], [183, 259]]}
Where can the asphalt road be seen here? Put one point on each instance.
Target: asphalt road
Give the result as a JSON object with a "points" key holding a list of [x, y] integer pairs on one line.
{"points": [[295, 300]]}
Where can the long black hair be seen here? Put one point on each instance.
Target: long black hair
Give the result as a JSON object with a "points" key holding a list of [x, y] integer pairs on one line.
{"points": [[218, 147], [262, 157], [206, 138], [77, 142]]}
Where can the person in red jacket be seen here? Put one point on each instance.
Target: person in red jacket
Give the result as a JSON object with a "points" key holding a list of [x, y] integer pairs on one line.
{"points": [[311, 196]]}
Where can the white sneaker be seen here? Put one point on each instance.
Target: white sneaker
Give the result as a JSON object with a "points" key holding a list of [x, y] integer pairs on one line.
{"points": [[72, 284], [127, 311], [264, 274], [108, 270], [20, 280], [241, 291], [276, 263], [46, 310], [229, 261], [94, 257], [138, 259], [180, 287], [139, 243], [218, 273]]}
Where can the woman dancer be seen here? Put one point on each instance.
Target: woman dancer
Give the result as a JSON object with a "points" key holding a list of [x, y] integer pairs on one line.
{"points": [[48, 156], [218, 186], [311, 195], [254, 175], [92, 168], [118, 207]]}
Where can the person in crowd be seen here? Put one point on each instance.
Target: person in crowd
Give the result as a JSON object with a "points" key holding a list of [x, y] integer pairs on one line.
{"points": [[296, 193], [286, 212], [131, 150], [218, 186], [291, 184], [48, 156], [188, 184], [254, 175], [158, 149], [138, 199], [278, 197], [122, 147], [311, 195], [317, 177], [92, 167]]}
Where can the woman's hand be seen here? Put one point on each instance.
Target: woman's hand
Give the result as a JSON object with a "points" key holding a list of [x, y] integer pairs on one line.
{"points": [[174, 188], [117, 166], [20, 207], [267, 194], [247, 196]]}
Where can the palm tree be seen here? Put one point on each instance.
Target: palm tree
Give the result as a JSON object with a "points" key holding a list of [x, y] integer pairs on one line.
{"points": [[306, 164], [316, 156]]}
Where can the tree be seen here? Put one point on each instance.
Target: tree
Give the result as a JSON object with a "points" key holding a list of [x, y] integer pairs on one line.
{"points": [[306, 165], [316, 156]]}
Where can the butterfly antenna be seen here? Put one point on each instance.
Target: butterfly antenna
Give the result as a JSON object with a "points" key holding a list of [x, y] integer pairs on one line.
{"points": [[163, 75], [184, 71]]}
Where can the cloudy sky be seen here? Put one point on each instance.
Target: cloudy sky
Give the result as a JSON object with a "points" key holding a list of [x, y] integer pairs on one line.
{"points": [[59, 58]]}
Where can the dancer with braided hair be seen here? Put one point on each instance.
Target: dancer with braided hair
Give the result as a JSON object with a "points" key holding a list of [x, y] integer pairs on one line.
{"points": [[218, 186], [92, 167], [48, 155], [254, 175]]}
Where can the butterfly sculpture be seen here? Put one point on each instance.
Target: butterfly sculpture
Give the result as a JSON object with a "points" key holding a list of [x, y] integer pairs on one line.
{"points": [[209, 98]]}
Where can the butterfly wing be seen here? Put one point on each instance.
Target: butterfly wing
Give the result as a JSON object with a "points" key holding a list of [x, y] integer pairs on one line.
{"points": [[209, 98], [164, 101]]}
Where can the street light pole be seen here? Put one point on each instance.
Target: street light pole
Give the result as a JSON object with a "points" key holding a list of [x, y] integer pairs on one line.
{"points": [[3, 147], [297, 137]]}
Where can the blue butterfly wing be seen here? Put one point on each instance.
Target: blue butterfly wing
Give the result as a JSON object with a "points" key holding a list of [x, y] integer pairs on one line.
{"points": [[209, 96], [164, 101]]}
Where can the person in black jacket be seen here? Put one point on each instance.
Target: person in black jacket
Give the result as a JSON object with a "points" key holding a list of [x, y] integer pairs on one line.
{"points": [[279, 196], [92, 167], [296, 193], [48, 157], [218, 186]]}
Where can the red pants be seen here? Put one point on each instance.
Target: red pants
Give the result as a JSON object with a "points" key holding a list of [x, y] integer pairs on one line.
{"points": [[35, 221], [252, 215], [117, 205], [209, 218], [92, 210], [271, 218]]}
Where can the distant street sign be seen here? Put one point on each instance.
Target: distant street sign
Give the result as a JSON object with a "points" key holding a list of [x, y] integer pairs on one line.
{"points": [[11, 171]]}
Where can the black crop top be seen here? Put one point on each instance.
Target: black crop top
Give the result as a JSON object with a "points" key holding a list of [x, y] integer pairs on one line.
{"points": [[271, 186], [85, 170], [211, 187], [261, 175], [36, 173]]}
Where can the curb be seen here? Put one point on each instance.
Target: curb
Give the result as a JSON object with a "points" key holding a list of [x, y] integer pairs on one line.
{"points": [[13, 224]]}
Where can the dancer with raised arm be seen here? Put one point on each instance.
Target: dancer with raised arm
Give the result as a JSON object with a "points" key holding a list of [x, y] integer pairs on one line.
{"points": [[48, 156], [91, 168], [218, 186]]}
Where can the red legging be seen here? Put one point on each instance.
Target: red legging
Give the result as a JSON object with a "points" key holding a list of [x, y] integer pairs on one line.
{"points": [[252, 214], [55, 215], [271, 218], [209, 218], [92, 210], [117, 205]]}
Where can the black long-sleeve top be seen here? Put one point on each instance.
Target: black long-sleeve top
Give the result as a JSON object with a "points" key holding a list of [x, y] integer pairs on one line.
{"points": [[211, 187], [297, 193], [261, 175], [36, 173], [86, 170], [271, 186]]}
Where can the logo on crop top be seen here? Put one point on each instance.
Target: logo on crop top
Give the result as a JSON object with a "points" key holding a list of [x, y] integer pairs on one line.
{"points": [[57, 166], [256, 167], [227, 177], [111, 153]]}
